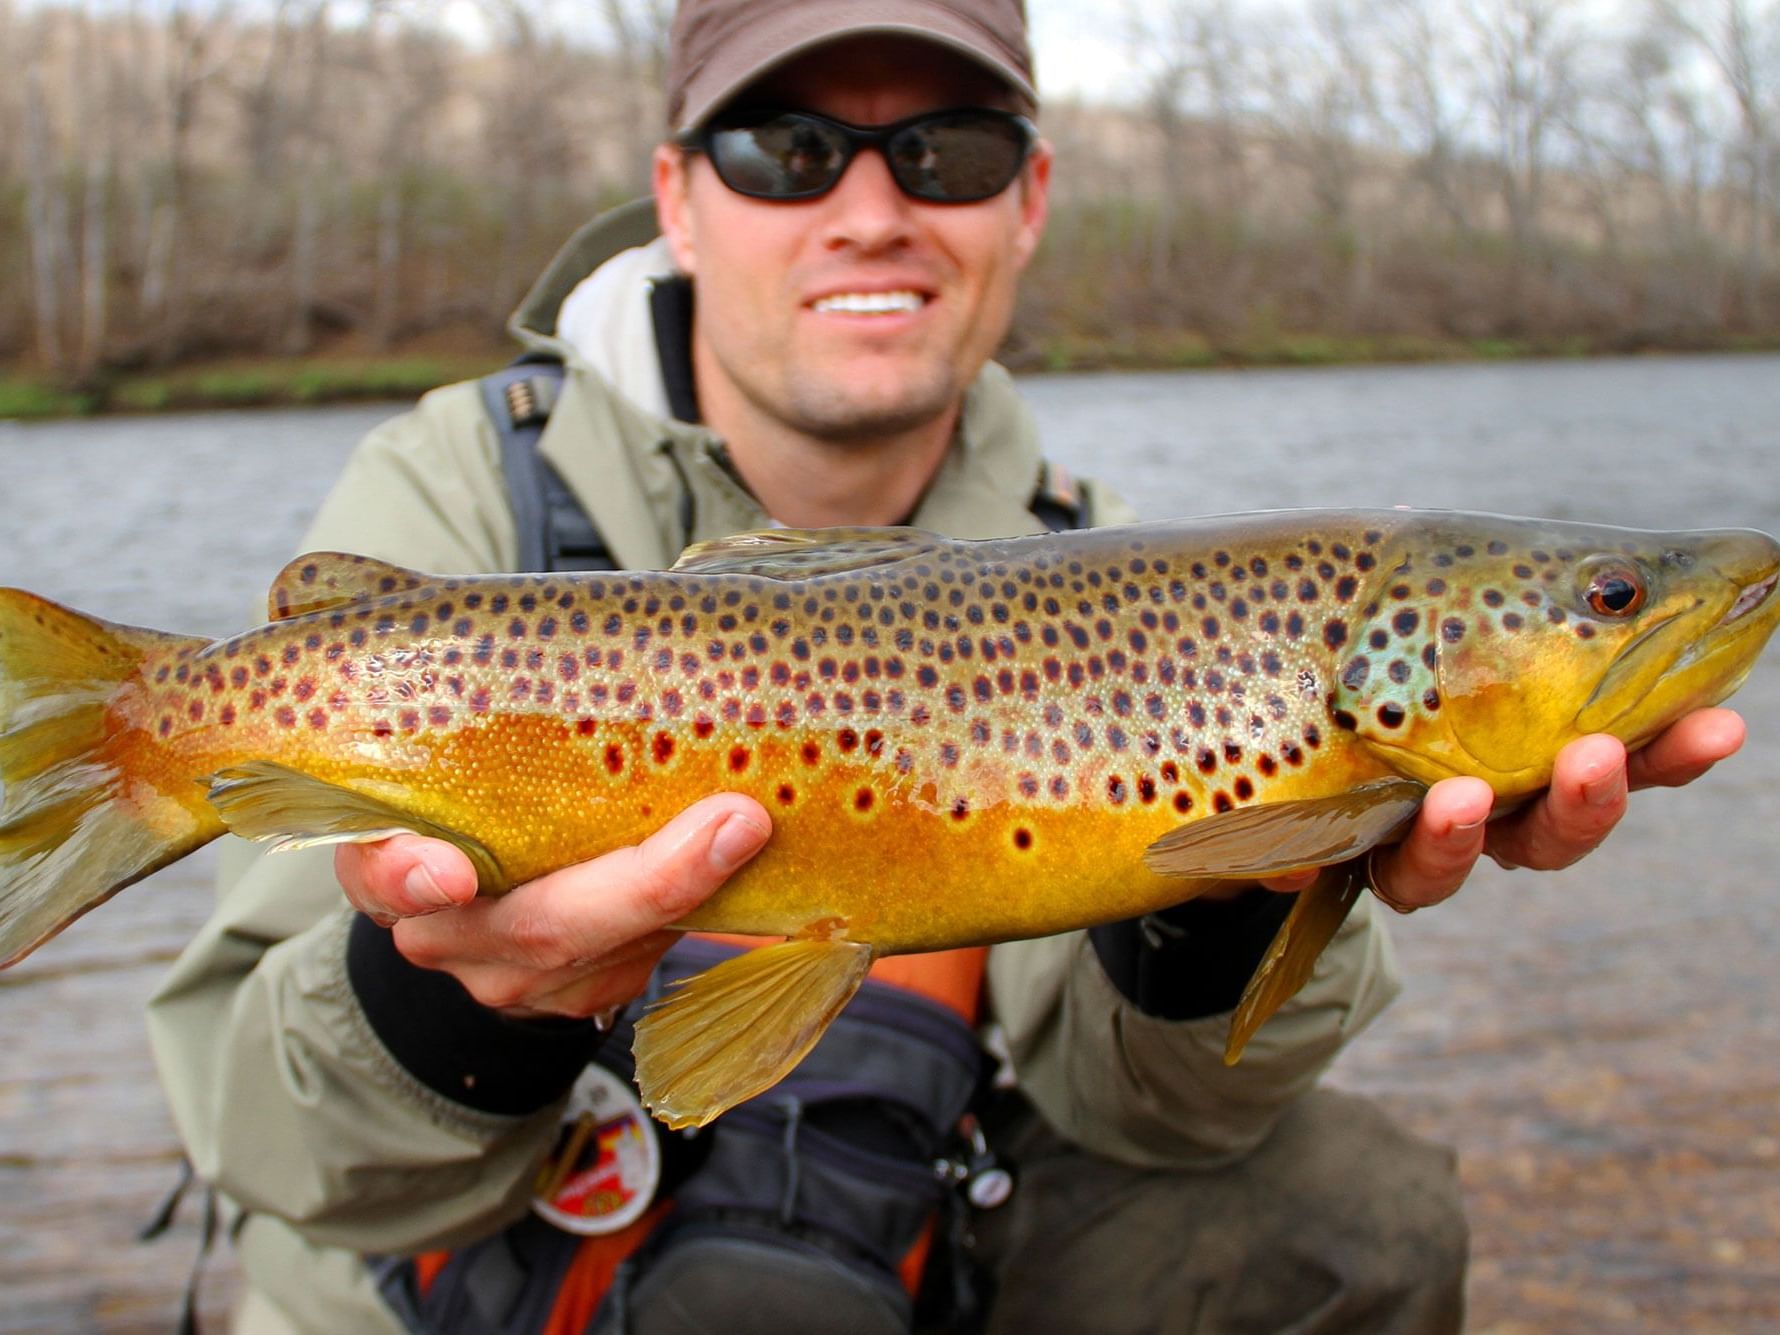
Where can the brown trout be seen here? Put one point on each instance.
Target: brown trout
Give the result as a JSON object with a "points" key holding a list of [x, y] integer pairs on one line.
{"points": [[960, 742]]}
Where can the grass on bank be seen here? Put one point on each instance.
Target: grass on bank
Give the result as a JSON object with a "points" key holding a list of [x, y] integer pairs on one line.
{"points": [[302, 383], [257, 384]]}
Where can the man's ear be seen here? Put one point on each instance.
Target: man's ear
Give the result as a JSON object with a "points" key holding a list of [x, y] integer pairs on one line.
{"points": [[672, 208], [1035, 202]]}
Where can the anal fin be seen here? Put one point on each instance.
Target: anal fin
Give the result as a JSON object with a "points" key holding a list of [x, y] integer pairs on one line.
{"points": [[736, 1029], [1292, 955], [289, 809]]}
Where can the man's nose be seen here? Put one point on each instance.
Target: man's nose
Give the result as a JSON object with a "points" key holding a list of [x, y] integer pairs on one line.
{"points": [[866, 209]]}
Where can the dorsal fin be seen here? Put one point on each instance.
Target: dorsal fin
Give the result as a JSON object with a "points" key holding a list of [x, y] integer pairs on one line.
{"points": [[800, 553], [319, 580]]}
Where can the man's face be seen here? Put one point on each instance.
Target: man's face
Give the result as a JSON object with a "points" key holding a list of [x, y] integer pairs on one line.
{"points": [[775, 280]]}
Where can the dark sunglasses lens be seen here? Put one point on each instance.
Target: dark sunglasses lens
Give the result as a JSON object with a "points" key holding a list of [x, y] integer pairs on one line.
{"points": [[779, 158], [958, 159]]}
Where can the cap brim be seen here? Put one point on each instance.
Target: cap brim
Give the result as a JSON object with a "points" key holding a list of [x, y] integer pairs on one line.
{"points": [[778, 38]]}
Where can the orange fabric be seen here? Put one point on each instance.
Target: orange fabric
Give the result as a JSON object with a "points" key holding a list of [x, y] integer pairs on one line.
{"points": [[590, 1273], [427, 1267], [954, 978]]}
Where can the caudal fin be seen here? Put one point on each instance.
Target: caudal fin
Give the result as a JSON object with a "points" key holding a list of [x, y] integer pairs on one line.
{"points": [[75, 826]]}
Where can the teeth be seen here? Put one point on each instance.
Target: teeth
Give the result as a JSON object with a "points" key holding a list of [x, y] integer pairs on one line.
{"points": [[871, 303]]}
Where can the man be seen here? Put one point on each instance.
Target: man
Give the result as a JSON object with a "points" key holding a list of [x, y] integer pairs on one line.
{"points": [[385, 1082]]}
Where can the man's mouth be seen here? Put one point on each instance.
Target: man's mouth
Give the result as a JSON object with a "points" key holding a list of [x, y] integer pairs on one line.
{"points": [[901, 302]]}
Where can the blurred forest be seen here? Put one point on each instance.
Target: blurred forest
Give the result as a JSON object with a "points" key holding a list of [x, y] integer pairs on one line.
{"points": [[197, 180]]}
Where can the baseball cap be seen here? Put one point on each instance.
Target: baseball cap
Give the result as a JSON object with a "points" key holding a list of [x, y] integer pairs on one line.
{"points": [[718, 47]]}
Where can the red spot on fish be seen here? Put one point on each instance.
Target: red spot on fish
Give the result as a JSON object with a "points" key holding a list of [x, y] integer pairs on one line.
{"points": [[285, 716], [863, 799], [615, 759], [1022, 838], [1146, 788], [847, 739], [738, 758], [703, 726], [787, 794], [1183, 803], [584, 727], [960, 808], [318, 719], [1222, 802], [438, 715], [663, 748], [228, 715], [811, 753], [874, 742]]}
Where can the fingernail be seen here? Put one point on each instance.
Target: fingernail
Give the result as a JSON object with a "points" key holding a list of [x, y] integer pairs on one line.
{"points": [[424, 890], [736, 840], [1606, 790], [1468, 826]]}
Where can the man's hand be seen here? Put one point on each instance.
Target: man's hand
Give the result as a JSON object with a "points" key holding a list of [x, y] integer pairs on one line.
{"points": [[576, 942], [1586, 799]]}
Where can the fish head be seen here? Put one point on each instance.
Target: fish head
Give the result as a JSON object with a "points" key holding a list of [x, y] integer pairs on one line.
{"points": [[1490, 642]]}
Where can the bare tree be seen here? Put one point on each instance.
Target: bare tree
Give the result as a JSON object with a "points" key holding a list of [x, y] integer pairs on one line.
{"points": [[1429, 104], [638, 30], [1742, 44], [1527, 72], [46, 224]]}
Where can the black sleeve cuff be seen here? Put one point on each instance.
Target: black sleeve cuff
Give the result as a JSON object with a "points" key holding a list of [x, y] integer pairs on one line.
{"points": [[1192, 960], [452, 1043]]}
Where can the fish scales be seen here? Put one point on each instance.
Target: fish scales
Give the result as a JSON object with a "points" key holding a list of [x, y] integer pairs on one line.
{"points": [[959, 742]]}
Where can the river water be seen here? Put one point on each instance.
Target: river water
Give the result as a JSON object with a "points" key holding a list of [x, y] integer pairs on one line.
{"points": [[1599, 1045]]}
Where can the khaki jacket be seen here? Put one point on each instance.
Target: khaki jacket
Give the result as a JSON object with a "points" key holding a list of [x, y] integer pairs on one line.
{"points": [[284, 1096]]}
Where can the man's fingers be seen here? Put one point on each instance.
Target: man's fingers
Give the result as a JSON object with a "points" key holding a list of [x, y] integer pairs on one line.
{"points": [[1585, 801], [404, 877], [1440, 850], [584, 913], [1688, 748]]}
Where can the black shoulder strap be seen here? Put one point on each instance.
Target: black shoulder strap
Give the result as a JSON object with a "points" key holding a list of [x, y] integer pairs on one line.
{"points": [[554, 530], [1058, 502]]}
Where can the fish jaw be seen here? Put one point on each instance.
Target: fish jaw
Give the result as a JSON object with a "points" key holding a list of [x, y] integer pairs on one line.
{"points": [[1733, 622]]}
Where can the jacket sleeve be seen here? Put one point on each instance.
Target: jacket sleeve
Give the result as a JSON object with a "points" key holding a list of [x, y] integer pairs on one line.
{"points": [[1153, 1091], [284, 1090]]}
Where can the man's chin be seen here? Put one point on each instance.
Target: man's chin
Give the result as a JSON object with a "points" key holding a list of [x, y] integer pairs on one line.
{"points": [[845, 416]]}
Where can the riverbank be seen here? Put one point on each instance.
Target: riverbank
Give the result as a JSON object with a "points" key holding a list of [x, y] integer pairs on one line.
{"points": [[297, 382]]}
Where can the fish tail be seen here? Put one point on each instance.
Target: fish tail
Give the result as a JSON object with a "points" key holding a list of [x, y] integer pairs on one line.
{"points": [[76, 824]]}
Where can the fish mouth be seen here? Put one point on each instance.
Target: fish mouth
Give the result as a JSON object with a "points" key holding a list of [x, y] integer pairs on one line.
{"points": [[1752, 597]]}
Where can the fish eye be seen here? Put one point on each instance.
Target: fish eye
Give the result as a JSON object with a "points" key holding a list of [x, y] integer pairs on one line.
{"points": [[1616, 589]]}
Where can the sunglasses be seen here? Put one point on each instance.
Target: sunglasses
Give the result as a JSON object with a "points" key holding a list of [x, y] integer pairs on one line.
{"points": [[942, 157]]}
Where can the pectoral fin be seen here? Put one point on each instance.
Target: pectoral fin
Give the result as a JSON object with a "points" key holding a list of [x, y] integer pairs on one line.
{"points": [[1291, 957], [1277, 837], [289, 809], [734, 1030]]}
